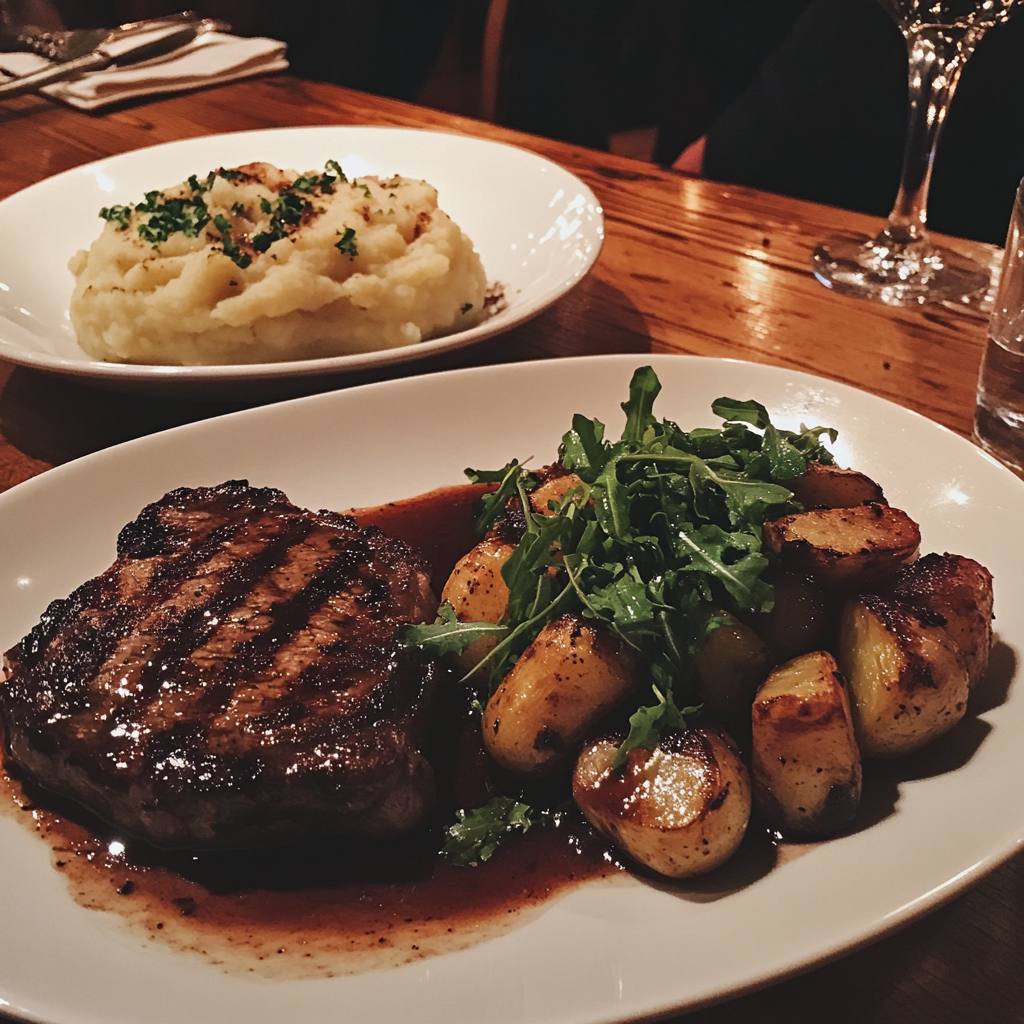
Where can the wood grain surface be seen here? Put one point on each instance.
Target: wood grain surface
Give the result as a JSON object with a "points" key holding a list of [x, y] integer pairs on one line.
{"points": [[688, 266]]}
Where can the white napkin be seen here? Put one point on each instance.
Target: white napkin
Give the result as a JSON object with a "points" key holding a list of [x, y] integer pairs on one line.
{"points": [[209, 59]]}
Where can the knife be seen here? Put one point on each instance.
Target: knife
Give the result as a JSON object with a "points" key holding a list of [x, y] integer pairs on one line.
{"points": [[121, 49]]}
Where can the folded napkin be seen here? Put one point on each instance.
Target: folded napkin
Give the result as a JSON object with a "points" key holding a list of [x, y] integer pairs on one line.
{"points": [[209, 59]]}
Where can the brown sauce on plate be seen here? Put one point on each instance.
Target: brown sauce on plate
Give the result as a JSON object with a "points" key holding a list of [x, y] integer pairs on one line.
{"points": [[344, 906], [340, 906], [318, 911]]}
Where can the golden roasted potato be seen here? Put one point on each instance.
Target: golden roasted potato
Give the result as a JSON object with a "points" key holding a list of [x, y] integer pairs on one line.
{"points": [[960, 590], [831, 487], [805, 763], [563, 683], [681, 809], [731, 665], [799, 620], [553, 490], [478, 593], [908, 683], [847, 548]]}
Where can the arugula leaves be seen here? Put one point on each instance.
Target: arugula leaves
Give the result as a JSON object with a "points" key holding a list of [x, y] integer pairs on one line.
{"points": [[448, 635], [476, 834], [663, 526]]}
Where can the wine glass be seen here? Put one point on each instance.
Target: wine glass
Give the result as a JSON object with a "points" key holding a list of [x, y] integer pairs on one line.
{"points": [[901, 266]]}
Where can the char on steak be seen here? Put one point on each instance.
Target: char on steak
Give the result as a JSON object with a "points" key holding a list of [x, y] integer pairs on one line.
{"points": [[231, 680]]}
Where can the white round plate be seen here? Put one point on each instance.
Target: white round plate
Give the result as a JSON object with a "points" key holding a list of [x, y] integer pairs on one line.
{"points": [[604, 952], [537, 227]]}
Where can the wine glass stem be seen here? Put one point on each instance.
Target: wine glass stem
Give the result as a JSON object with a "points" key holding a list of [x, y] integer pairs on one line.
{"points": [[937, 54]]}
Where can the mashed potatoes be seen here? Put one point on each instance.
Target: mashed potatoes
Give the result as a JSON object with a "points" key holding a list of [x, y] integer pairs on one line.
{"points": [[255, 264]]}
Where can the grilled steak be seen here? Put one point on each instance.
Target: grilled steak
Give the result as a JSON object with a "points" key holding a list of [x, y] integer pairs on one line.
{"points": [[231, 679]]}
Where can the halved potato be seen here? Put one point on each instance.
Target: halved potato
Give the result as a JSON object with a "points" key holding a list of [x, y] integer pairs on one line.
{"points": [[553, 490], [800, 619], [681, 809], [960, 590], [478, 593], [908, 683], [731, 665], [831, 487], [848, 548], [805, 762], [561, 686]]}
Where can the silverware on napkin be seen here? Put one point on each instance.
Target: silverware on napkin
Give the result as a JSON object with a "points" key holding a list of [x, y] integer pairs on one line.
{"points": [[68, 44], [124, 46]]}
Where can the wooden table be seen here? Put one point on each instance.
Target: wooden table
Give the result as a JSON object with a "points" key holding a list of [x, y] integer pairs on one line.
{"points": [[688, 266]]}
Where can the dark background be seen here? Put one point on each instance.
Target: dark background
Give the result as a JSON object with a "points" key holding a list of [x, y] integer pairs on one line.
{"points": [[802, 97]]}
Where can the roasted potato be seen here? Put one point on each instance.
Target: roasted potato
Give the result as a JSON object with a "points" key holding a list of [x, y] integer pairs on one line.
{"points": [[681, 809], [805, 763], [847, 548], [799, 620], [563, 683], [908, 683], [960, 590], [731, 665], [478, 593], [553, 490], [831, 487]]}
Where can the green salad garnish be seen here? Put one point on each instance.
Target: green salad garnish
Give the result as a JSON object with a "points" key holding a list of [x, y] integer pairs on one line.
{"points": [[664, 527]]}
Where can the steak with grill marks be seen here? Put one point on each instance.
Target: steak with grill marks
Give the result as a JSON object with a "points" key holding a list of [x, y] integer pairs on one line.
{"points": [[231, 680]]}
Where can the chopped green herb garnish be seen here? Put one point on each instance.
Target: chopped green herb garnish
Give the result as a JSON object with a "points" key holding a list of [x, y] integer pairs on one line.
{"points": [[264, 240], [231, 250], [365, 188], [290, 208], [467, 307], [347, 244], [119, 215], [286, 211], [164, 216], [477, 833], [229, 245]]}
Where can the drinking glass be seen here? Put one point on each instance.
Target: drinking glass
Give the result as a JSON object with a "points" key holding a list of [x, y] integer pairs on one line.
{"points": [[999, 415], [901, 266]]}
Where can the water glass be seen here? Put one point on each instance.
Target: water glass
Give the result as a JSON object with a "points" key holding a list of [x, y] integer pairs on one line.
{"points": [[999, 417]]}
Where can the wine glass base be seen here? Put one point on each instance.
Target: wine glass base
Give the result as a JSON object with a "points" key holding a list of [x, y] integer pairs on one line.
{"points": [[918, 273]]}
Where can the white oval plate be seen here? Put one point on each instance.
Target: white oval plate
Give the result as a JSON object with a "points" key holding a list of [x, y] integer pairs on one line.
{"points": [[537, 227], [604, 952]]}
